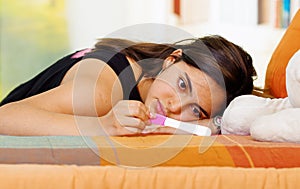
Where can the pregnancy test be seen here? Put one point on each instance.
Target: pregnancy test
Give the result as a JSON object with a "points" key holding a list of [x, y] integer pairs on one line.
{"points": [[187, 127]]}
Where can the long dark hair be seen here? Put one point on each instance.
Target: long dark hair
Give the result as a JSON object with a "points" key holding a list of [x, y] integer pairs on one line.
{"points": [[211, 54]]}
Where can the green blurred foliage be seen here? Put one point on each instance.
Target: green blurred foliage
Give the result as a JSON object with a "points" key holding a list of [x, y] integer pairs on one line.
{"points": [[33, 35]]}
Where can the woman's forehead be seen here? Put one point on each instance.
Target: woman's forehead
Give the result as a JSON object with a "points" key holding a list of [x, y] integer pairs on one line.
{"points": [[198, 76]]}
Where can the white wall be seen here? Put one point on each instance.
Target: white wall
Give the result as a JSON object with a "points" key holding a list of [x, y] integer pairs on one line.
{"points": [[91, 19], [236, 12], [234, 19]]}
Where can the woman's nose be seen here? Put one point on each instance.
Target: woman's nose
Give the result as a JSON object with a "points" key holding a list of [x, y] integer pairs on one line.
{"points": [[174, 105]]}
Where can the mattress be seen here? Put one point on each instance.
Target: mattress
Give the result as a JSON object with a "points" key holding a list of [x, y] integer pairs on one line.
{"points": [[149, 151]]}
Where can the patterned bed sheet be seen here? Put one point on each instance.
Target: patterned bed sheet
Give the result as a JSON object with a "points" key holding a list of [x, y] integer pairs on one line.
{"points": [[149, 151]]}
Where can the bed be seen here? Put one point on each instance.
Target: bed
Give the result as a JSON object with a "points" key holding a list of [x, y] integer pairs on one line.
{"points": [[154, 161], [159, 161]]}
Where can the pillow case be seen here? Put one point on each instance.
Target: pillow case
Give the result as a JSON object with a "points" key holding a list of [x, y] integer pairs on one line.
{"points": [[288, 45]]}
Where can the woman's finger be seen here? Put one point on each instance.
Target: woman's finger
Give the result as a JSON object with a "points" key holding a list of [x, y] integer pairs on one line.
{"points": [[164, 130], [139, 110], [132, 108], [132, 122]]}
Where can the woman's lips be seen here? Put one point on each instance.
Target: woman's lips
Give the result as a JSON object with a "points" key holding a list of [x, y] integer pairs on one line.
{"points": [[160, 108]]}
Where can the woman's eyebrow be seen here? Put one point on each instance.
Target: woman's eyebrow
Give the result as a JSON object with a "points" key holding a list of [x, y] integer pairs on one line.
{"points": [[204, 112], [189, 82], [191, 90]]}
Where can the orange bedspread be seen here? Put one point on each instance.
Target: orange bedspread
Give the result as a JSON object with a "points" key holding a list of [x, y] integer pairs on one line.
{"points": [[154, 161], [185, 150]]}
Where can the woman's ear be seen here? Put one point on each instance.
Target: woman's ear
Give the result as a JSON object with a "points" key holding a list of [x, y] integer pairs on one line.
{"points": [[177, 53], [172, 58]]}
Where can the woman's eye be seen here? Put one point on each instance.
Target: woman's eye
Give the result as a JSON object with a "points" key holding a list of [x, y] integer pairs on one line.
{"points": [[196, 111], [181, 84]]}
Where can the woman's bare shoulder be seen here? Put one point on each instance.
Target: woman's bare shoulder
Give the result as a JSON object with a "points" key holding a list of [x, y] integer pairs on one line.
{"points": [[89, 88]]}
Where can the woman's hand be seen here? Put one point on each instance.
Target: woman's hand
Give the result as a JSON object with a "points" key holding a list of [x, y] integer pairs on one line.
{"points": [[126, 117]]}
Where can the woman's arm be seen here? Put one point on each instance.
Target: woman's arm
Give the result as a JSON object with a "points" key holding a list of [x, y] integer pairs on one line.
{"points": [[82, 103], [20, 118]]}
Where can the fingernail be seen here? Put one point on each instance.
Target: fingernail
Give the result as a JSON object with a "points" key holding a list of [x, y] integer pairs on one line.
{"points": [[152, 108], [152, 115]]}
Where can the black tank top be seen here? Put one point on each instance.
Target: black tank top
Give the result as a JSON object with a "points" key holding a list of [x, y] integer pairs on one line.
{"points": [[52, 76]]}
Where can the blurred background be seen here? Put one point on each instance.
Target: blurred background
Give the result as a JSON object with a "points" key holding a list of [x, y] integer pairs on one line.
{"points": [[36, 33]]}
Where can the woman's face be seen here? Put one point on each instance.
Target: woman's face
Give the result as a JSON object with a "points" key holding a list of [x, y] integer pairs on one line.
{"points": [[185, 93]]}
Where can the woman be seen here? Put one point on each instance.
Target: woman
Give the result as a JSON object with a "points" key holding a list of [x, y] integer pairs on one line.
{"points": [[116, 85]]}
